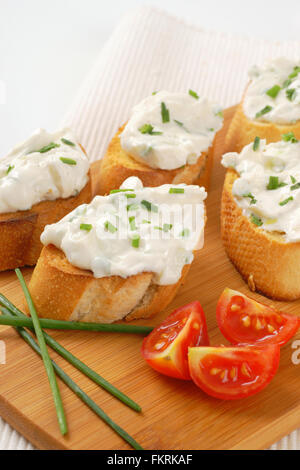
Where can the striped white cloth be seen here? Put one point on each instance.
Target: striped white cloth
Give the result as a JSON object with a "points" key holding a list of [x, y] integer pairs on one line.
{"points": [[151, 50]]}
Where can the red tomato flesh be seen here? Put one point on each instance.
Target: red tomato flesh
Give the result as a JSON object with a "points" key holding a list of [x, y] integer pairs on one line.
{"points": [[243, 320], [234, 372], [166, 347]]}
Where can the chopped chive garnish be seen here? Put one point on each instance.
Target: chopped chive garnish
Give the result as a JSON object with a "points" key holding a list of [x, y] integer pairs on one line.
{"points": [[110, 227], [48, 147], [295, 72], [148, 129], [154, 92], [293, 179], [147, 151], [132, 207], [283, 203], [149, 206], [144, 221], [251, 197], [290, 94], [130, 195], [289, 137], [286, 83], [274, 183], [295, 186], [68, 161], [180, 124], [220, 114], [132, 223], [10, 167], [165, 114], [68, 142], [135, 241], [185, 232], [86, 227], [263, 111], [165, 227], [256, 220], [273, 92], [176, 190], [193, 94], [113, 191], [256, 143]]}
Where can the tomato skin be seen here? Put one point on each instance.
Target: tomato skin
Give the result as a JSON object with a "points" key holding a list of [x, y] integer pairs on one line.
{"points": [[244, 320], [235, 372], [166, 348]]}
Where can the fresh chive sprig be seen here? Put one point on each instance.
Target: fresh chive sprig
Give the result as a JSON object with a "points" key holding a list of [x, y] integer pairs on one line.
{"points": [[78, 326], [77, 390], [72, 359], [45, 355]]}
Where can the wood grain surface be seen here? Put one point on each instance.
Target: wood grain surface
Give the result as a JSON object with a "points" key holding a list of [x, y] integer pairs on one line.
{"points": [[176, 414]]}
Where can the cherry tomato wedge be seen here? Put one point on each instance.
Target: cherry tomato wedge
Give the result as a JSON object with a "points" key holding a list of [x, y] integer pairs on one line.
{"points": [[166, 347], [243, 320], [234, 372]]}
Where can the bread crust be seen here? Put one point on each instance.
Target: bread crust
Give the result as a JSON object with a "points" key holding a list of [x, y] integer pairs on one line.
{"points": [[20, 231], [266, 262], [242, 131], [117, 165], [64, 292]]}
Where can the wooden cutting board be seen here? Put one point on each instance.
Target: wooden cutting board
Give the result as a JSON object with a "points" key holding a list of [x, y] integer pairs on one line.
{"points": [[176, 414]]}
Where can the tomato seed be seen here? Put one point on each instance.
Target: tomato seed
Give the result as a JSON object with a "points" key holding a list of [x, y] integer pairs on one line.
{"points": [[235, 307], [245, 369], [246, 321]]}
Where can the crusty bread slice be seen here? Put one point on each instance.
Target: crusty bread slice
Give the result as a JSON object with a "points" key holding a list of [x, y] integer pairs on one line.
{"points": [[117, 165], [242, 131], [267, 263], [64, 292], [20, 231]]}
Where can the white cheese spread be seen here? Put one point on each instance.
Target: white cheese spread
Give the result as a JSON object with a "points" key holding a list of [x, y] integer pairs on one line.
{"points": [[268, 186], [133, 230], [273, 94], [44, 167], [169, 130]]}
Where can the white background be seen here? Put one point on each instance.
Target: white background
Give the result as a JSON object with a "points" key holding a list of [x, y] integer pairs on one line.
{"points": [[47, 47]]}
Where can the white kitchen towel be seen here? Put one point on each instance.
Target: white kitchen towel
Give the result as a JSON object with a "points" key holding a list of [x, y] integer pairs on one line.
{"points": [[151, 50]]}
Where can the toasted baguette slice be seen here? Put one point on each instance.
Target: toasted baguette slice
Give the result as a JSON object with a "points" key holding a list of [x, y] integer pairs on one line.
{"points": [[20, 231], [64, 292], [117, 165], [242, 131], [267, 263]]}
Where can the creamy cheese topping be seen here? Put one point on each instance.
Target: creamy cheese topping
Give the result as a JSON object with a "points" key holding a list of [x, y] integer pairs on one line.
{"points": [[134, 230], [169, 130], [274, 92], [44, 167], [268, 187]]}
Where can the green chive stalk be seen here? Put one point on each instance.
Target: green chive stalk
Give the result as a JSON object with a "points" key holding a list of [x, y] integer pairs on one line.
{"points": [[46, 358], [77, 390], [74, 360], [50, 324]]}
